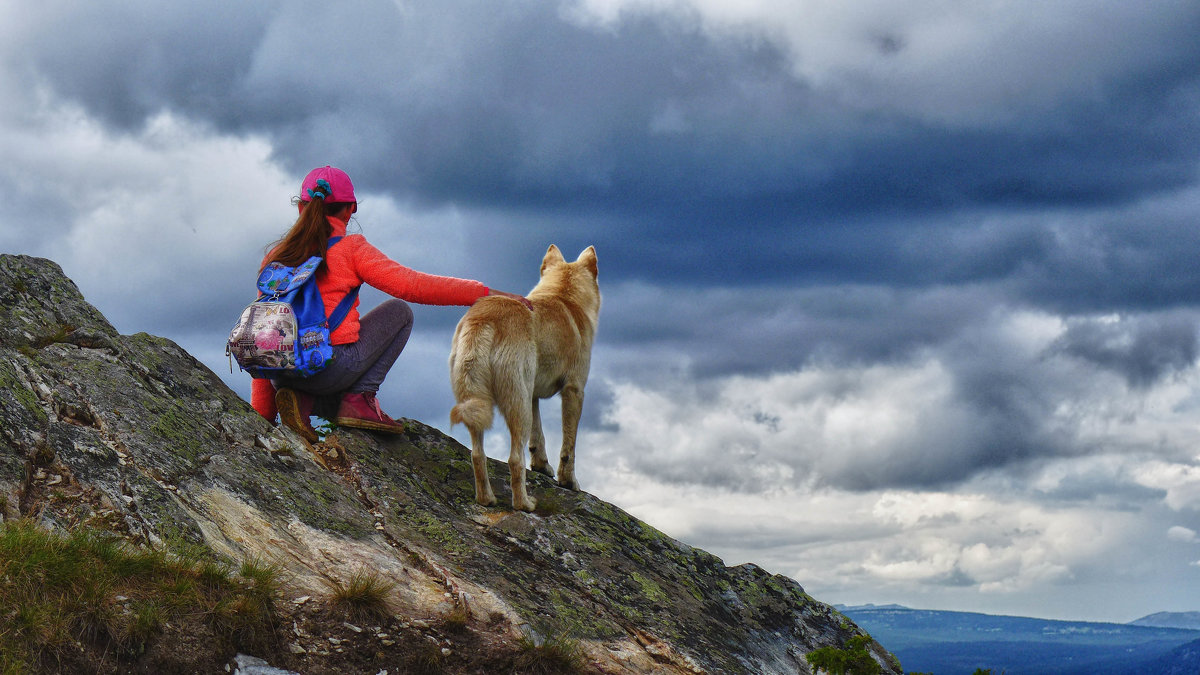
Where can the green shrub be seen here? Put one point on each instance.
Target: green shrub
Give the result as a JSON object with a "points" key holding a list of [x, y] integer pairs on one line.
{"points": [[854, 659]]}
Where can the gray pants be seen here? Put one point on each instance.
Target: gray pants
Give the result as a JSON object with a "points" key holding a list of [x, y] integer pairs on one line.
{"points": [[359, 366]]}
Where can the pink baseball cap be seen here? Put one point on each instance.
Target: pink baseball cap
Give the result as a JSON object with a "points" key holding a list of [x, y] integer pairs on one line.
{"points": [[337, 187]]}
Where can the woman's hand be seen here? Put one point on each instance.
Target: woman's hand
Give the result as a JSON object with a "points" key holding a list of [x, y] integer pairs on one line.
{"points": [[524, 300]]}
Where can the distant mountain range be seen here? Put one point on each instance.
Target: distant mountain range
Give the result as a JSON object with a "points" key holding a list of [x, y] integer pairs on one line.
{"points": [[954, 643]]}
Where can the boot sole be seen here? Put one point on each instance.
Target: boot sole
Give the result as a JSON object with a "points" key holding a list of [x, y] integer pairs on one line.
{"points": [[289, 414], [357, 423]]}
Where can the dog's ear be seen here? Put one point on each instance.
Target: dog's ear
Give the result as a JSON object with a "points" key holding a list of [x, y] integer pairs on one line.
{"points": [[553, 257], [588, 258]]}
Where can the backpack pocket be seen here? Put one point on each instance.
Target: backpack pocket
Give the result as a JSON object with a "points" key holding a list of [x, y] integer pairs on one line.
{"points": [[265, 337]]}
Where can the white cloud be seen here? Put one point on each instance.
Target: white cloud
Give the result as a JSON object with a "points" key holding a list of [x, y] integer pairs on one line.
{"points": [[1182, 534], [173, 214], [1180, 481], [902, 545], [772, 432]]}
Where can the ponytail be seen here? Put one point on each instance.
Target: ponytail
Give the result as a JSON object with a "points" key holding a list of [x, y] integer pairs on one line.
{"points": [[310, 234]]}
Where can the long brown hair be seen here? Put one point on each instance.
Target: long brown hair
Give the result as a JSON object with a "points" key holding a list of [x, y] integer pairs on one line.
{"points": [[309, 236]]}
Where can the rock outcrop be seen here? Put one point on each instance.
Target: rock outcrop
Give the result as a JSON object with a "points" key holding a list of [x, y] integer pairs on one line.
{"points": [[130, 433]]}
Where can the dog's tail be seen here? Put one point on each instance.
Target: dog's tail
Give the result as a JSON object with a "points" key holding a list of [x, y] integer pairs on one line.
{"points": [[476, 413], [470, 376]]}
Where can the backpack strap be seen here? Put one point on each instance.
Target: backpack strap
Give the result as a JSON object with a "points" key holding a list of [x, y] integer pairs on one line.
{"points": [[342, 309]]}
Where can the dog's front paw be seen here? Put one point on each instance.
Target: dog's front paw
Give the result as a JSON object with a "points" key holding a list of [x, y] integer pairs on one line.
{"points": [[569, 483], [544, 470], [486, 500], [527, 505]]}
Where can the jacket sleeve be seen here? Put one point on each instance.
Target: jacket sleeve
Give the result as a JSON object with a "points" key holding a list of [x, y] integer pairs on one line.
{"points": [[389, 276], [262, 398]]}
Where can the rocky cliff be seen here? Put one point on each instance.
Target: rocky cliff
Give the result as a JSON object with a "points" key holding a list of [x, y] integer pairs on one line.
{"points": [[131, 434]]}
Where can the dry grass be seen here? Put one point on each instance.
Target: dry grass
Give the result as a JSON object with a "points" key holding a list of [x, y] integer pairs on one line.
{"points": [[425, 659], [94, 588], [457, 620], [363, 596], [559, 654]]}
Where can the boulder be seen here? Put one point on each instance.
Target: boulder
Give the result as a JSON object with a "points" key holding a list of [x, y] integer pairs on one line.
{"points": [[132, 434]]}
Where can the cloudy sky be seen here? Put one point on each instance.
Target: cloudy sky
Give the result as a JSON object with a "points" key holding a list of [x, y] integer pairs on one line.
{"points": [[900, 299]]}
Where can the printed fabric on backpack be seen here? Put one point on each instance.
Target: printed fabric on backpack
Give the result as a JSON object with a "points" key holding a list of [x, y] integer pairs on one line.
{"points": [[285, 331]]}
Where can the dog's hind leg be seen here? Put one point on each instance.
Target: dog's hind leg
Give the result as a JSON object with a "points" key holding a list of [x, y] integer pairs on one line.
{"points": [[537, 444], [475, 412], [483, 487], [572, 408], [517, 416]]}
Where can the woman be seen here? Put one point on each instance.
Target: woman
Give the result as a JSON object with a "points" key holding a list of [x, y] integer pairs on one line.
{"points": [[364, 348]]}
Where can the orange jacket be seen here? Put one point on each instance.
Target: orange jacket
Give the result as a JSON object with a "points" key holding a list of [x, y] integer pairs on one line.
{"points": [[353, 262]]}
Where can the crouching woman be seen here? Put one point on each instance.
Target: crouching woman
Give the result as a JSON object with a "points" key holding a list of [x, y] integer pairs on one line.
{"points": [[366, 346]]}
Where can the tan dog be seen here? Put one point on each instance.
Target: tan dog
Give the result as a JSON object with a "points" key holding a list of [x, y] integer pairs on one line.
{"points": [[505, 356]]}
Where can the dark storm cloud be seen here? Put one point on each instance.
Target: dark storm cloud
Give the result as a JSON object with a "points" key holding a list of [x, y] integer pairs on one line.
{"points": [[759, 330], [128, 60], [1124, 260], [1141, 352], [659, 130]]}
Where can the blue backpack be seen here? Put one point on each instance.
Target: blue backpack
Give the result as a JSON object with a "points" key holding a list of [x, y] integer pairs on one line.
{"points": [[285, 331]]}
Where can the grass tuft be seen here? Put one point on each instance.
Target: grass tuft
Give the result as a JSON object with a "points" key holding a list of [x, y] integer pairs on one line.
{"points": [[363, 596], [263, 579], [247, 618], [559, 654], [59, 334], [456, 620], [425, 659], [212, 574]]}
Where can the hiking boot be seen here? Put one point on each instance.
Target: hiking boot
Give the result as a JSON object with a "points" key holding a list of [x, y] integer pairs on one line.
{"points": [[295, 407], [360, 410]]}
